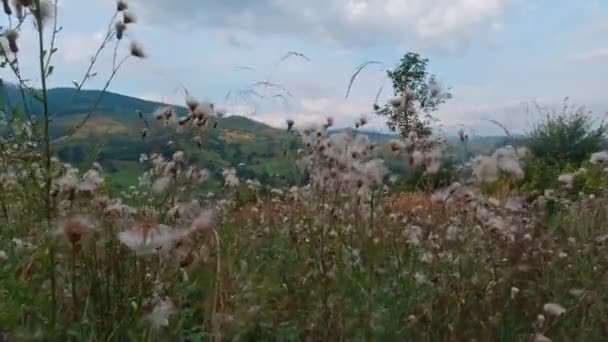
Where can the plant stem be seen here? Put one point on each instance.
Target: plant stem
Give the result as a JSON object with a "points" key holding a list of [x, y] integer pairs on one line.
{"points": [[87, 116], [47, 154]]}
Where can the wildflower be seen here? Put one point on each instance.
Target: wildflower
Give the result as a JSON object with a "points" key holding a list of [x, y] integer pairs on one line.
{"points": [[143, 158], [576, 292], [166, 114], [201, 176], [221, 112], [434, 87], [290, 124], [120, 27], [414, 235], [485, 169], [3, 256], [538, 337], [554, 309], [69, 181], [44, 10], [75, 227], [178, 156], [121, 5], [540, 320], [203, 223], [20, 7], [12, 37], [363, 121], [397, 101], [118, 209], [191, 102], [230, 178], [433, 160], [416, 159], [146, 237], [513, 204], [159, 317], [91, 181], [567, 180], [453, 233], [129, 18], [374, 170], [599, 158], [463, 136], [198, 140], [21, 244], [7, 7], [511, 166], [161, 184], [96, 167], [203, 110], [396, 145], [420, 278], [137, 50]]}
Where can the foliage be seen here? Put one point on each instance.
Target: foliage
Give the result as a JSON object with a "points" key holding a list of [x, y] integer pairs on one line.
{"points": [[566, 137], [337, 257], [418, 180], [540, 174], [418, 96]]}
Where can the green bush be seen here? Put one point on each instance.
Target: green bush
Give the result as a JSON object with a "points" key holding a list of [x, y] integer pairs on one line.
{"points": [[566, 137]]}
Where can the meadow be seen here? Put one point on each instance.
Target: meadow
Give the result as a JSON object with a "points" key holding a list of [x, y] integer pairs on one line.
{"points": [[502, 244]]}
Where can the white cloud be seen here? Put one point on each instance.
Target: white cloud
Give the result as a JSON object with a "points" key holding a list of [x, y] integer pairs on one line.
{"points": [[77, 48], [590, 55], [351, 22], [345, 113]]}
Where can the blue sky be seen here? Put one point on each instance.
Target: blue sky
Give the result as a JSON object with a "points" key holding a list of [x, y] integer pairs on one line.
{"points": [[497, 55]]}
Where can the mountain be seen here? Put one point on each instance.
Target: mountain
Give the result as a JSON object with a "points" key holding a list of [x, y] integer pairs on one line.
{"points": [[68, 101], [112, 136]]}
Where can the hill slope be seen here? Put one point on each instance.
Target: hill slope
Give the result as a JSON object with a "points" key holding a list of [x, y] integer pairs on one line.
{"points": [[112, 136]]}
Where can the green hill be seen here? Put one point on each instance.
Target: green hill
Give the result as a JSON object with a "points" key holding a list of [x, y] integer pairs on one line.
{"points": [[112, 137]]}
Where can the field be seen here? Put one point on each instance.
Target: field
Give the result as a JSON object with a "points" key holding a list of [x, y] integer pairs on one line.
{"points": [[343, 256], [130, 220]]}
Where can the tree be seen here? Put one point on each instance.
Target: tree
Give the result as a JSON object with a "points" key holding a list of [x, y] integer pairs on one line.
{"points": [[417, 96], [569, 136]]}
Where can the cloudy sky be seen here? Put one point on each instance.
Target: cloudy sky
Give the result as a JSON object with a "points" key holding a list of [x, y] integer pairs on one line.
{"points": [[497, 55]]}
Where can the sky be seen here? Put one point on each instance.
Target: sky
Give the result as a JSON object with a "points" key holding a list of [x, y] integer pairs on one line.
{"points": [[498, 57]]}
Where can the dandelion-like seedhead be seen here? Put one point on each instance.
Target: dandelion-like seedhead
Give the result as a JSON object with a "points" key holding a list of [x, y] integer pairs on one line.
{"points": [[12, 37], [600, 158], [129, 18], [554, 309], [162, 311], [120, 28], [73, 228], [137, 50], [121, 5]]}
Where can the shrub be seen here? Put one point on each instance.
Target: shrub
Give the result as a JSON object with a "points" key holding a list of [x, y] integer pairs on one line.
{"points": [[566, 137]]}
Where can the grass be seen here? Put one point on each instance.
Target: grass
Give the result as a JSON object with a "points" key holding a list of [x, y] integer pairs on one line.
{"points": [[319, 262], [339, 255]]}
